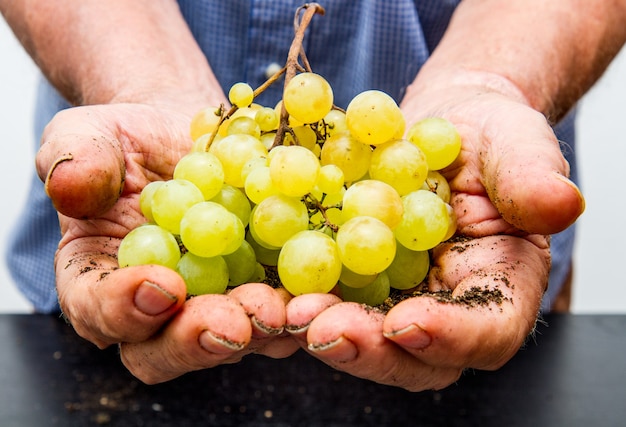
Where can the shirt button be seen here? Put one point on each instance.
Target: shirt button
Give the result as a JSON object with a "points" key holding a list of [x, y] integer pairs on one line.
{"points": [[272, 69]]}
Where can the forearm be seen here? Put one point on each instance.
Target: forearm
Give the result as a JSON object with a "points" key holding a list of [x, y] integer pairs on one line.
{"points": [[96, 51], [547, 53]]}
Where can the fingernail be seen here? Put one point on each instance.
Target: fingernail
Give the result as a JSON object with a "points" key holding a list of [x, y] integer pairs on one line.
{"points": [[265, 329], [218, 344], [411, 336], [152, 299], [297, 329], [340, 350]]}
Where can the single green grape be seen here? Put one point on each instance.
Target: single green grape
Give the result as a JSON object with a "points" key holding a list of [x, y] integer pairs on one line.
{"points": [[294, 170], [373, 117], [425, 221], [145, 199], [309, 263], [375, 199], [308, 97], [438, 139], [203, 275], [241, 94], [400, 164], [241, 264], [408, 268], [148, 244], [373, 294], [366, 245], [204, 170], [208, 229]]}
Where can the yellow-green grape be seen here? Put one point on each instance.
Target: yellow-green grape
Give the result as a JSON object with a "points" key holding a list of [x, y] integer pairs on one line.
{"points": [[171, 200], [335, 122], [294, 170], [267, 139], [373, 117], [234, 151], [148, 244], [249, 111], [345, 152], [308, 97], [259, 274], [451, 223], [259, 185], [244, 125], [408, 268], [425, 221], [438, 184], [309, 263], [208, 229], [145, 199], [263, 255], [235, 201], [305, 137], [375, 199], [350, 278], [330, 180], [204, 122], [400, 164], [373, 294], [366, 245], [267, 119], [241, 94], [438, 139], [241, 264], [277, 218], [204, 170], [203, 275]]}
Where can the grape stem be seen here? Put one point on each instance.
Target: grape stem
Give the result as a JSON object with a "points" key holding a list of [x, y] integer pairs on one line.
{"points": [[290, 69], [314, 205]]}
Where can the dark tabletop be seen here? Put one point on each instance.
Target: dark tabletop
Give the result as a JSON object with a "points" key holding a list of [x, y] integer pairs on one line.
{"points": [[572, 374]]}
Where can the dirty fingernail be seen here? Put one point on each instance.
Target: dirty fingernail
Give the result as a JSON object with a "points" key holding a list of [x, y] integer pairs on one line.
{"points": [[411, 336], [152, 299], [262, 329], [340, 350], [218, 344]]}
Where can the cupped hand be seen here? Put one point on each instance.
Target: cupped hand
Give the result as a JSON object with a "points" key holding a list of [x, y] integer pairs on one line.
{"points": [[509, 191], [94, 161]]}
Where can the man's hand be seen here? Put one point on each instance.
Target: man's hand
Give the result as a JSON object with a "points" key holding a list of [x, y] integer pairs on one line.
{"points": [[95, 161], [509, 190]]}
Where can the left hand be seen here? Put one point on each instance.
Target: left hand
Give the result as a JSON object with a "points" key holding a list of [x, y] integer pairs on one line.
{"points": [[510, 191]]}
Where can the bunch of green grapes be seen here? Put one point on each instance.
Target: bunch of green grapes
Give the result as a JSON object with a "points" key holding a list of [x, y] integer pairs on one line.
{"points": [[348, 201]]}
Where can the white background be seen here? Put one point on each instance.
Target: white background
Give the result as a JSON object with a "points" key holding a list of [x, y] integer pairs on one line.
{"points": [[600, 257]]}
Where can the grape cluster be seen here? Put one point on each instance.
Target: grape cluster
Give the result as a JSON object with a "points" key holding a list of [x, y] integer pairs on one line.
{"points": [[349, 201]]}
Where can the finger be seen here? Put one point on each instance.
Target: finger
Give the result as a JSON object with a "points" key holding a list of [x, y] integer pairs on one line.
{"points": [[107, 305], [303, 309], [91, 155], [525, 173], [82, 167], [208, 330], [348, 337], [497, 284], [266, 308]]}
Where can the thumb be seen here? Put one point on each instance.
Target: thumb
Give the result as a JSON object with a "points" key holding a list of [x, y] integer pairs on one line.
{"points": [[526, 175], [81, 164]]}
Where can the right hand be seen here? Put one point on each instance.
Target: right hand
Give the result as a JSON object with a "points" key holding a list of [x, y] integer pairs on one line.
{"points": [[95, 160]]}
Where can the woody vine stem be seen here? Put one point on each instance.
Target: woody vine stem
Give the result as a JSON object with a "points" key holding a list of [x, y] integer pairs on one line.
{"points": [[304, 15]]}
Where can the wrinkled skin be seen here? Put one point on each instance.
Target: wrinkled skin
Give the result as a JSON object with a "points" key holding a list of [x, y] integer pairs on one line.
{"points": [[508, 189]]}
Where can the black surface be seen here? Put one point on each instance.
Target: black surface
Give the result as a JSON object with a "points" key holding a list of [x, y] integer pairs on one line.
{"points": [[572, 374]]}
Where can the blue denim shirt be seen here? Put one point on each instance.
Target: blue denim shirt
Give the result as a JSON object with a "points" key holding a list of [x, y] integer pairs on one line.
{"points": [[357, 45]]}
